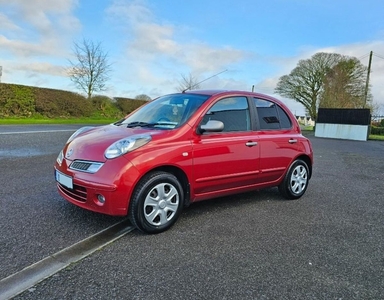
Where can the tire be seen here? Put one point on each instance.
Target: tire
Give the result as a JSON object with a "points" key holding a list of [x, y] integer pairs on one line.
{"points": [[157, 202], [296, 180]]}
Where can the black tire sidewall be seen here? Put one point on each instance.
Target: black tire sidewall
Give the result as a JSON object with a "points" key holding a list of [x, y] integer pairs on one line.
{"points": [[285, 186]]}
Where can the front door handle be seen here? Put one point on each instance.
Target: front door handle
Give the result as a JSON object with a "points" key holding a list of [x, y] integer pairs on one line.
{"points": [[250, 144], [292, 141]]}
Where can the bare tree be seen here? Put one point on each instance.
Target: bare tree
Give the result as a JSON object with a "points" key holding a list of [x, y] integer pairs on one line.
{"points": [[188, 82], [91, 69]]}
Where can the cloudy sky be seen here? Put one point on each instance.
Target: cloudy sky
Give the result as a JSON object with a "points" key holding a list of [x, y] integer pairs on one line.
{"points": [[152, 43]]}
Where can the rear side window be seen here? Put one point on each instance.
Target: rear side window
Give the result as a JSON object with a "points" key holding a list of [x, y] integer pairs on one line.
{"points": [[271, 116], [232, 111]]}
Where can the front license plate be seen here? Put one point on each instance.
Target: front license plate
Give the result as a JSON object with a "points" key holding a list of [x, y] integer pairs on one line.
{"points": [[64, 179]]}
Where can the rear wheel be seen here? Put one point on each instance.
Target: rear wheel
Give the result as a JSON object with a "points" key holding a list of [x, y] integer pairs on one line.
{"points": [[296, 180], [156, 202]]}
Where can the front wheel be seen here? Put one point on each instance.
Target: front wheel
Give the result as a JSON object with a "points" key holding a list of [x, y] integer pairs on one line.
{"points": [[156, 203], [296, 180]]}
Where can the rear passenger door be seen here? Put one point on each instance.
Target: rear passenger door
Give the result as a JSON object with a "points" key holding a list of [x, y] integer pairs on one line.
{"points": [[277, 140]]}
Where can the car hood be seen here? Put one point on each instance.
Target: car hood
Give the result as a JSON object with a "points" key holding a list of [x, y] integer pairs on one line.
{"points": [[92, 144]]}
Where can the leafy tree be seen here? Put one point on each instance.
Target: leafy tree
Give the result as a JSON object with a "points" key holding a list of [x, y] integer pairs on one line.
{"points": [[91, 69], [143, 97], [188, 82], [344, 85], [305, 83]]}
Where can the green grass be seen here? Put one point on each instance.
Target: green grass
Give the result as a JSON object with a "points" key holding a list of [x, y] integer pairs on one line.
{"points": [[376, 137]]}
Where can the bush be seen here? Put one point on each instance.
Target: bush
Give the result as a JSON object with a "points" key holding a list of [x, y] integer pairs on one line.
{"points": [[57, 103], [26, 101], [104, 107], [377, 130], [16, 100], [127, 105]]}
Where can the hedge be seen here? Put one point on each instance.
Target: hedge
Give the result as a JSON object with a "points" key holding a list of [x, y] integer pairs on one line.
{"points": [[377, 130], [28, 101]]}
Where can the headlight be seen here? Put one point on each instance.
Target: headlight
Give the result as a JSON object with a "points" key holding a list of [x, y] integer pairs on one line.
{"points": [[126, 145], [60, 158], [77, 132]]}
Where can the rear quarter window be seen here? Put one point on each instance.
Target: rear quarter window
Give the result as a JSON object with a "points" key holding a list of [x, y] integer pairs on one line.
{"points": [[271, 116]]}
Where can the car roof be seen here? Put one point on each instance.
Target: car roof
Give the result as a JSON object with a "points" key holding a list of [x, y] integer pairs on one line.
{"points": [[218, 92], [232, 92]]}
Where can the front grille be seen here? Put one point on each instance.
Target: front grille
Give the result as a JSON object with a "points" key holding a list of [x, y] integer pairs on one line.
{"points": [[78, 192], [86, 166], [80, 165]]}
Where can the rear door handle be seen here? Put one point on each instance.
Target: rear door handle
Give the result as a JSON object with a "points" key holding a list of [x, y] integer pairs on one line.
{"points": [[250, 144], [292, 141]]}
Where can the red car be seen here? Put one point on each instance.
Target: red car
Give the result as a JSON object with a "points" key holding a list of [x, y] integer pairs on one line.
{"points": [[183, 148]]}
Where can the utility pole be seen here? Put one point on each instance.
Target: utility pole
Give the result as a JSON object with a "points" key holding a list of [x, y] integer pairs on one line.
{"points": [[367, 82], [1, 72]]}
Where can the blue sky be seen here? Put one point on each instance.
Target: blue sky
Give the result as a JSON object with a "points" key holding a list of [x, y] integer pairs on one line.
{"points": [[152, 43]]}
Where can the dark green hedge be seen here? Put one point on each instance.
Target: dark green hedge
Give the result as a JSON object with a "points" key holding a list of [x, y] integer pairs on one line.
{"points": [[27, 101], [127, 105], [377, 130]]}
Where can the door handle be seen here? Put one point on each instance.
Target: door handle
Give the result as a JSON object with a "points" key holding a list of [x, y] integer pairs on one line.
{"points": [[250, 144], [292, 141]]}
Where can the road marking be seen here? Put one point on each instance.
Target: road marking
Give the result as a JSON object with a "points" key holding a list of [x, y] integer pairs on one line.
{"points": [[19, 282], [39, 131]]}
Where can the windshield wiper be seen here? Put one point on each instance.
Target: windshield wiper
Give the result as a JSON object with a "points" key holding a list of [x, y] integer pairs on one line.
{"points": [[137, 124], [145, 124]]}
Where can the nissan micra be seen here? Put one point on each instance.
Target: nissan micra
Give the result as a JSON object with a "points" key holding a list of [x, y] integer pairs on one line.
{"points": [[183, 148]]}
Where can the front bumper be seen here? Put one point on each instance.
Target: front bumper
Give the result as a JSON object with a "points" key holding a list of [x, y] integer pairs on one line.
{"points": [[114, 181]]}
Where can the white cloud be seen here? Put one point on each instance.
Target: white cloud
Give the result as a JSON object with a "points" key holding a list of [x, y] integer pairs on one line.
{"points": [[37, 27], [42, 14], [154, 49]]}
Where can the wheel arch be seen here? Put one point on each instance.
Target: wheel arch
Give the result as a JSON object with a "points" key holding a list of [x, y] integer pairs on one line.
{"points": [[308, 161], [179, 174]]}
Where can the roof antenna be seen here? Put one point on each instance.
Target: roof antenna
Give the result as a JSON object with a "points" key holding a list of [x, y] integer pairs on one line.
{"points": [[188, 88]]}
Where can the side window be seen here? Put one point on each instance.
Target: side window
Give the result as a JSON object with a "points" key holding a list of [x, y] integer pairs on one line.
{"points": [[285, 121], [233, 112], [271, 115]]}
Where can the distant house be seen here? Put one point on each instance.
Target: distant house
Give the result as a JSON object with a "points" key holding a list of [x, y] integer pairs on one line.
{"points": [[305, 120]]}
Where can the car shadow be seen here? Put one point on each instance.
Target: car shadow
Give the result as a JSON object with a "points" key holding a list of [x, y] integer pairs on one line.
{"points": [[212, 205]]}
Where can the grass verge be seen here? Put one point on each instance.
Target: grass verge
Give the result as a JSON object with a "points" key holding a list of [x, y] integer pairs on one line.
{"points": [[376, 137]]}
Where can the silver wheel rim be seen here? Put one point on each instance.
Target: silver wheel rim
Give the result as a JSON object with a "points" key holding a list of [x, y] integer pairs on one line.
{"points": [[161, 204], [299, 179]]}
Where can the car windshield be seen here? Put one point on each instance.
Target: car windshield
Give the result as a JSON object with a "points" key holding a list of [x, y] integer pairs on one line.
{"points": [[166, 112]]}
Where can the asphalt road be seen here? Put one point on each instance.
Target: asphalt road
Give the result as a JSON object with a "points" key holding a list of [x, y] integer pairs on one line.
{"points": [[327, 245]]}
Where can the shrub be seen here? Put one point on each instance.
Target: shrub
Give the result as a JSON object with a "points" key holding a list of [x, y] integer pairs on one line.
{"points": [[377, 130], [16, 100], [127, 105], [104, 107], [58, 103], [27, 101]]}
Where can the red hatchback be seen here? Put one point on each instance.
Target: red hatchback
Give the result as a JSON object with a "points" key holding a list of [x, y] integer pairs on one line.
{"points": [[183, 148]]}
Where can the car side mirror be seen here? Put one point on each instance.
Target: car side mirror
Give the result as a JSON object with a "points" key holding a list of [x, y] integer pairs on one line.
{"points": [[212, 126]]}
